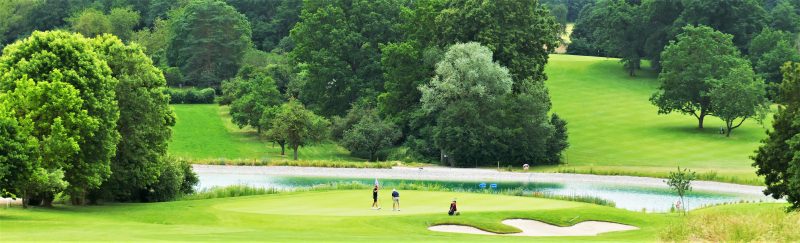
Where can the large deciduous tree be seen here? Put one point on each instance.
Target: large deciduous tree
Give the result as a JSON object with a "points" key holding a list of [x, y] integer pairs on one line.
{"points": [[699, 55], [742, 19], [209, 40], [254, 97], [521, 34], [778, 158], [17, 155], [57, 83], [478, 119], [769, 50], [369, 136], [337, 44], [297, 126], [739, 95], [145, 122]]}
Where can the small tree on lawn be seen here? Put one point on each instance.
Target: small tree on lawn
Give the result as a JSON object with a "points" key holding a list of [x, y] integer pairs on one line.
{"points": [[739, 96], [298, 126], [681, 182]]}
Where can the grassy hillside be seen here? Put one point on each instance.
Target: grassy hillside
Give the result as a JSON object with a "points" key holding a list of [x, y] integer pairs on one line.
{"points": [[205, 132], [614, 128], [314, 217]]}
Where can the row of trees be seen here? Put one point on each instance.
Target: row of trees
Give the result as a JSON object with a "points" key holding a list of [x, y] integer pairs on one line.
{"points": [[87, 117], [640, 30], [364, 64]]}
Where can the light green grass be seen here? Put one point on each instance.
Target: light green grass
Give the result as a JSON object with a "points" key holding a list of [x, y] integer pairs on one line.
{"points": [[204, 133], [736, 223], [343, 216], [614, 128]]}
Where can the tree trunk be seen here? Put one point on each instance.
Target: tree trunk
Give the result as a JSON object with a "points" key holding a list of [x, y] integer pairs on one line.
{"points": [[283, 148], [700, 120], [728, 131], [295, 152], [47, 201]]}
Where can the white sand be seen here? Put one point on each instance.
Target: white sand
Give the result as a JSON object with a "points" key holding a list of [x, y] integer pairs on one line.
{"points": [[538, 228]]}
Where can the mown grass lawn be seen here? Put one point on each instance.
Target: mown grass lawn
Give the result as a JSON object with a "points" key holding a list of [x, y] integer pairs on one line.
{"points": [[614, 128], [205, 132], [342, 215]]}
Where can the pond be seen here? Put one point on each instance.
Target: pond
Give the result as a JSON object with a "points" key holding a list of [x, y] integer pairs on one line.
{"points": [[631, 197]]}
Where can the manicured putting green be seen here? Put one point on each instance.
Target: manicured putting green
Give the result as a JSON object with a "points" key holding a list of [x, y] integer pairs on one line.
{"points": [[357, 203], [342, 216]]}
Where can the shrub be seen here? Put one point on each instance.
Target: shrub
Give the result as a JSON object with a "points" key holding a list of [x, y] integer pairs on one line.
{"points": [[177, 178], [190, 96]]}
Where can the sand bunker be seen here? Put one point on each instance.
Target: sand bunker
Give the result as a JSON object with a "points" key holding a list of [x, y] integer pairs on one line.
{"points": [[538, 228]]}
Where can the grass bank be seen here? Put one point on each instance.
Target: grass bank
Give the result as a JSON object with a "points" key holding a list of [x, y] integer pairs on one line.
{"points": [[329, 216], [736, 223]]}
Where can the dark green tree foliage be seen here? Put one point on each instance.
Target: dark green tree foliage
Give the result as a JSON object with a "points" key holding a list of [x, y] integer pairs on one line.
{"points": [[559, 12], [741, 18], [699, 55], [620, 32], [66, 91], [369, 136], [145, 121], [271, 20], [558, 142], [209, 40], [582, 37], [159, 9], [29, 15], [337, 43], [739, 95], [479, 120], [295, 126], [769, 50], [521, 34], [176, 178], [406, 66], [785, 17], [253, 97], [658, 18], [778, 158]]}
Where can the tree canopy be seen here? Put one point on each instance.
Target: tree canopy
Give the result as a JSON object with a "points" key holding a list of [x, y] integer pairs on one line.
{"points": [[700, 54], [778, 159], [59, 84], [208, 42]]}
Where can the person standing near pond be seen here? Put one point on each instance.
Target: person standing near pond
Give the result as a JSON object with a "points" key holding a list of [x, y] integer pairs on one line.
{"points": [[375, 198], [395, 200]]}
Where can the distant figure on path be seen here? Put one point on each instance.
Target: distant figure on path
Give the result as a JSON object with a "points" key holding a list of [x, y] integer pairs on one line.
{"points": [[395, 200], [453, 208], [375, 198], [525, 167]]}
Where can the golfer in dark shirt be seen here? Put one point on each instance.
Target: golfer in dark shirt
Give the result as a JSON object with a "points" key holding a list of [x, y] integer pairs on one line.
{"points": [[375, 198], [395, 200]]}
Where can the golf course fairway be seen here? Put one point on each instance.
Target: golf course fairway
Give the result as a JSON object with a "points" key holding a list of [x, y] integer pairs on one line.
{"points": [[341, 215]]}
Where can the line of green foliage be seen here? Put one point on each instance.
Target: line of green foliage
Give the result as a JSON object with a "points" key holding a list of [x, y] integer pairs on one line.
{"points": [[301, 163], [190, 95]]}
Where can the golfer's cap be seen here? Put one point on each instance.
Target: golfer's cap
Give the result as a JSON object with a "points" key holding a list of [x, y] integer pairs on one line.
{"points": [[454, 199]]}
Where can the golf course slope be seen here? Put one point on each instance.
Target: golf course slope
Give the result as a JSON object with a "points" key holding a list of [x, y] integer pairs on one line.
{"points": [[613, 127]]}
